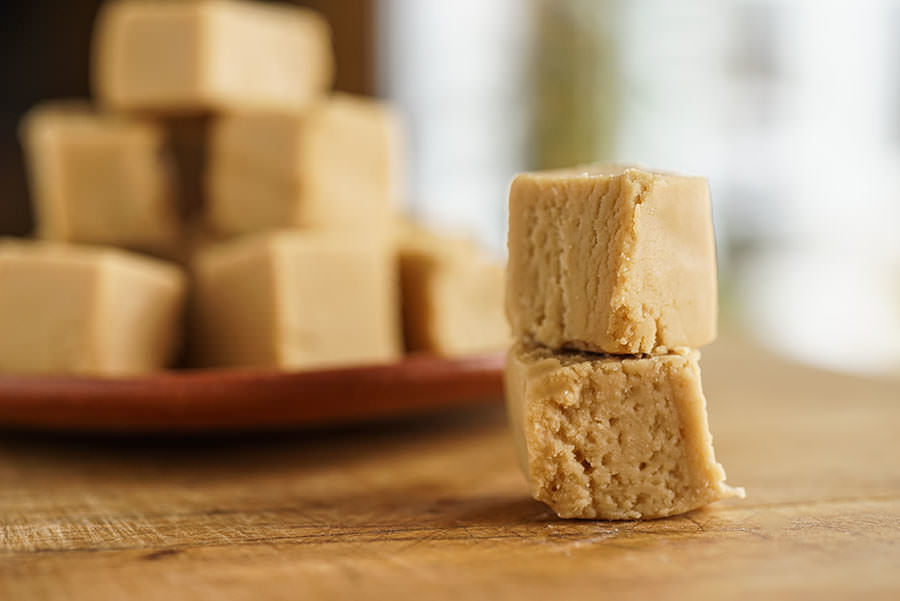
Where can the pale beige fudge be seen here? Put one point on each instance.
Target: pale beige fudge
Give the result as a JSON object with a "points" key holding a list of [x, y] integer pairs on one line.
{"points": [[611, 259], [184, 57], [86, 310], [337, 165], [295, 300], [452, 295], [613, 437], [98, 178]]}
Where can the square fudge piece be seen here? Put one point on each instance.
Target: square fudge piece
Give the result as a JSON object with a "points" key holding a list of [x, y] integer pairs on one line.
{"points": [[611, 259], [336, 165], [189, 57], [86, 310], [100, 179], [452, 295], [613, 437], [295, 300]]}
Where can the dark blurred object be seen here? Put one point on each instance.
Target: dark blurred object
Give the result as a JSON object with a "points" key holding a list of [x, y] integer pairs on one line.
{"points": [[46, 54], [187, 136], [45, 50], [353, 28]]}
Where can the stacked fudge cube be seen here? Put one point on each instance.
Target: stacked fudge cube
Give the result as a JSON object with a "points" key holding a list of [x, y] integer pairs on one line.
{"points": [[214, 174], [611, 287]]}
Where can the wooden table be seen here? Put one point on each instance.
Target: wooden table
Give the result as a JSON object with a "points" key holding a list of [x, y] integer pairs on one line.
{"points": [[438, 507]]}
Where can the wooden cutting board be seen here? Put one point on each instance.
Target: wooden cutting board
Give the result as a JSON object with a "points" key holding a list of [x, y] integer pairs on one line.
{"points": [[437, 508]]}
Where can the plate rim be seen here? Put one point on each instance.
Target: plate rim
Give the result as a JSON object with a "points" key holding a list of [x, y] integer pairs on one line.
{"points": [[227, 399]]}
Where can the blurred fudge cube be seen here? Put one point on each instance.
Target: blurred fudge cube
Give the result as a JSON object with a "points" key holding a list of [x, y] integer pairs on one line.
{"points": [[86, 310], [295, 300], [98, 178], [209, 55], [335, 166], [452, 295]]}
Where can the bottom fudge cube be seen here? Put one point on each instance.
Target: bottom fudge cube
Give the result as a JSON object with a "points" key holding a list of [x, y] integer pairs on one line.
{"points": [[613, 437], [295, 300], [86, 310], [452, 295]]}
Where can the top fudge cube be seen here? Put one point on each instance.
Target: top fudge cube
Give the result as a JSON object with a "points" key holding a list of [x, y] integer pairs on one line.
{"points": [[183, 57], [611, 259]]}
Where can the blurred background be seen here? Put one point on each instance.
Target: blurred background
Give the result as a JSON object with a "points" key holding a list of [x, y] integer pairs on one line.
{"points": [[792, 109]]}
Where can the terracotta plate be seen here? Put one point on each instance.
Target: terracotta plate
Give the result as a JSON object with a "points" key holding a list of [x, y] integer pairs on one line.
{"points": [[195, 400]]}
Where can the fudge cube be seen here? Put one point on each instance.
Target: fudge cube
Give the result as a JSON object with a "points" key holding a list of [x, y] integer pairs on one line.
{"points": [[452, 295], [611, 259], [189, 57], [613, 437], [98, 178], [295, 300], [86, 310], [336, 165]]}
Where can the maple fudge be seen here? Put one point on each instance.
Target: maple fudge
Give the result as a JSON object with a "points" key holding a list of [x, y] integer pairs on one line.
{"points": [[611, 437], [612, 259], [336, 165], [98, 178], [86, 310], [295, 300], [189, 57], [452, 295]]}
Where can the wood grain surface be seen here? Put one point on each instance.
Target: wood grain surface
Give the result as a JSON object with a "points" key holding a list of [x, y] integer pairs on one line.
{"points": [[435, 508]]}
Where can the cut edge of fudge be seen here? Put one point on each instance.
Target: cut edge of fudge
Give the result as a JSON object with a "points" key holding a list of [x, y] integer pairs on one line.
{"points": [[610, 437]]}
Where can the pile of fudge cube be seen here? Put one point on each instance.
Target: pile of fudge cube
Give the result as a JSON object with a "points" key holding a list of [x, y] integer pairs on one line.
{"points": [[215, 204], [611, 288]]}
